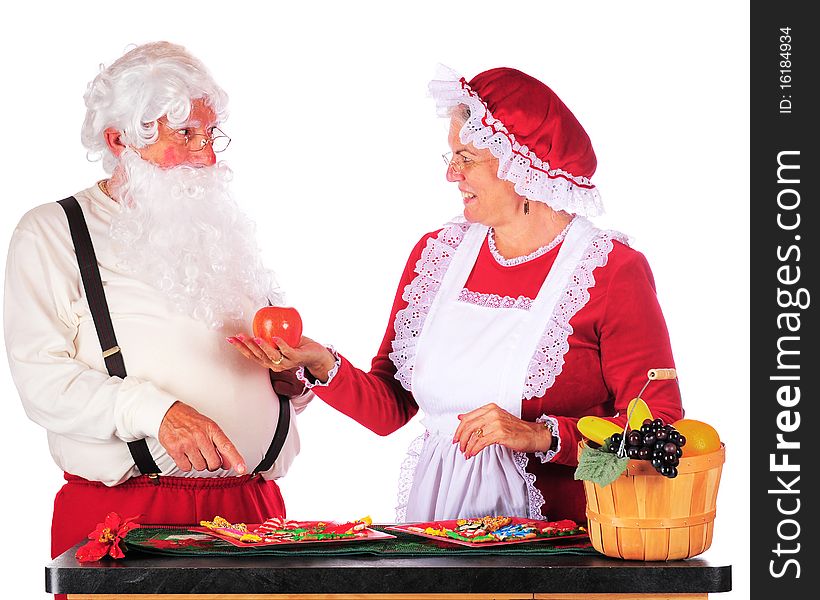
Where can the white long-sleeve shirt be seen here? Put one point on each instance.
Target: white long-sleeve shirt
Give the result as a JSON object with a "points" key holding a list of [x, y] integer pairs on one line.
{"points": [[57, 364]]}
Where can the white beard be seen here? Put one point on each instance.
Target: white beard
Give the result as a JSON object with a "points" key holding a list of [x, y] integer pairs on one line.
{"points": [[180, 231]]}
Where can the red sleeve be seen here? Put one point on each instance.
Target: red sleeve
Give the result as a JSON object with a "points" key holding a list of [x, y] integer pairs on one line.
{"points": [[376, 399], [633, 339]]}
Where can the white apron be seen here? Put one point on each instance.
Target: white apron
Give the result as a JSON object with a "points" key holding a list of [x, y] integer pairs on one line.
{"points": [[468, 356]]}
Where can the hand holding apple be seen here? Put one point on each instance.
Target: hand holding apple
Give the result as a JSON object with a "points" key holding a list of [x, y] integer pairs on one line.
{"points": [[277, 343], [280, 357]]}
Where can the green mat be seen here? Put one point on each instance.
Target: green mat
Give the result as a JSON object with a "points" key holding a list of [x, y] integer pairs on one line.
{"points": [[178, 541]]}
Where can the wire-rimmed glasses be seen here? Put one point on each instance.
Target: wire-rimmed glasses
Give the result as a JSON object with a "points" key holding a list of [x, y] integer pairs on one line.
{"points": [[197, 141], [458, 163]]}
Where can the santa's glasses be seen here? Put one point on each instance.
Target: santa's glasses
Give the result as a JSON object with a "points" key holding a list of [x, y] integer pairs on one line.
{"points": [[197, 141]]}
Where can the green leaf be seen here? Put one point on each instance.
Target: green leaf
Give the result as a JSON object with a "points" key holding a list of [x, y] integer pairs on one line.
{"points": [[599, 467]]}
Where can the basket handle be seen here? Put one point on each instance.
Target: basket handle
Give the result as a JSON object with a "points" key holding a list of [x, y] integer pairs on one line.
{"points": [[657, 374]]}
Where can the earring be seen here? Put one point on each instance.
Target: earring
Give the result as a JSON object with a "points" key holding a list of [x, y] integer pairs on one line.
{"points": [[526, 207]]}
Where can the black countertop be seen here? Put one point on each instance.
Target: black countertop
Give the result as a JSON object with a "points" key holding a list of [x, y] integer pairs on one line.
{"points": [[152, 574]]}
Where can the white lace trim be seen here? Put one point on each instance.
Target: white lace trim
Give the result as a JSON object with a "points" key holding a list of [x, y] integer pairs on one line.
{"points": [[533, 178], [300, 373], [551, 423], [548, 360], [407, 473], [534, 495], [494, 300], [518, 260], [419, 295]]}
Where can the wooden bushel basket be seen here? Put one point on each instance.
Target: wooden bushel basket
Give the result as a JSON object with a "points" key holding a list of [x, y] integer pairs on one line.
{"points": [[643, 515]]}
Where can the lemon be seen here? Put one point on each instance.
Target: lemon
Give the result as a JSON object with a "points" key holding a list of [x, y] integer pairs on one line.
{"points": [[701, 438]]}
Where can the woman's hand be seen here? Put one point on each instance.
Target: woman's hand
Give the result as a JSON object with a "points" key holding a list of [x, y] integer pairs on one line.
{"points": [[491, 424], [280, 357]]}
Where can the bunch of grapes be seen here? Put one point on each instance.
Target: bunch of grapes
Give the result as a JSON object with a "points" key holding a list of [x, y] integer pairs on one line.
{"points": [[661, 444]]}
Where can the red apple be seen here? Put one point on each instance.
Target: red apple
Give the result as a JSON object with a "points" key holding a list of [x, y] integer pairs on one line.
{"points": [[278, 321]]}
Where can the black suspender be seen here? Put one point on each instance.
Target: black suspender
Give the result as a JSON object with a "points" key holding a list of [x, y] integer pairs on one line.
{"points": [[90, 274], [92, 283], [281, 433], [279, 436]]}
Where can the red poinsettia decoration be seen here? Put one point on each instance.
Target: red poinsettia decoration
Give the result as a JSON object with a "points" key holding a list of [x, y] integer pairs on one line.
{"points": [[105, 539]]}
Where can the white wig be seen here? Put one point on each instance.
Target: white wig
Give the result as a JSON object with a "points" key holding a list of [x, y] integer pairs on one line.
{"points": [[148, 82]]}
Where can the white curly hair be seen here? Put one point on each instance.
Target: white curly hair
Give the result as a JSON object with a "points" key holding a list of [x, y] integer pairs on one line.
{"points": [[150, 81]]}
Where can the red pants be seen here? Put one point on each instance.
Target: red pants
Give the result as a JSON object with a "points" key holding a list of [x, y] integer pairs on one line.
{"points": [[81, 504]]}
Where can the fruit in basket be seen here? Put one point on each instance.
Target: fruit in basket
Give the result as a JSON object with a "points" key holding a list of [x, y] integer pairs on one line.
{"points": [[597, 429], [659, 443], [638, 412], [701, 438]]}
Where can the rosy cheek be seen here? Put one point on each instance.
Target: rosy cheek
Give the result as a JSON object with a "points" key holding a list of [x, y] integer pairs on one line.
{"points": [[171, 157]]}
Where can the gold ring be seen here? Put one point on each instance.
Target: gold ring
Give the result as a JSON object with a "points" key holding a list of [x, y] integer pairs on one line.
{"points": [[479, 432], [277, 362]]}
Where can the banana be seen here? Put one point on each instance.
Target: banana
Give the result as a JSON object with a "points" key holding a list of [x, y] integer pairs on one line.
{"points": [[597, 429]]}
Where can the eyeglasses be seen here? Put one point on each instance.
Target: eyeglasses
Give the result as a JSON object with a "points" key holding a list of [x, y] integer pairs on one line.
{"points": [[458, 163], [197, 141]]}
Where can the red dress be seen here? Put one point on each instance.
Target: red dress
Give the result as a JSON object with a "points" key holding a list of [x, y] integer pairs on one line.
{"points": [[617, 335]]}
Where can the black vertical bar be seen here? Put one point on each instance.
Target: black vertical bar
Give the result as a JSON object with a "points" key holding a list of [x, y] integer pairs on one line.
{"points": [[783, 442]]}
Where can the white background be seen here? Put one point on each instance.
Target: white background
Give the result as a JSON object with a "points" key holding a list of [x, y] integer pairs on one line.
{"points": [[336, 155]]}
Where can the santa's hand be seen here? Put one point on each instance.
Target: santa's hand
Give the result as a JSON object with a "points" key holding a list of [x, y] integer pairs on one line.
{"points": [[491, 424], [195, 442]]}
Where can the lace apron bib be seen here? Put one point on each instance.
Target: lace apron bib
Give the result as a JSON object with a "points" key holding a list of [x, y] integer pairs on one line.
{"points": [[468, 356]]}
